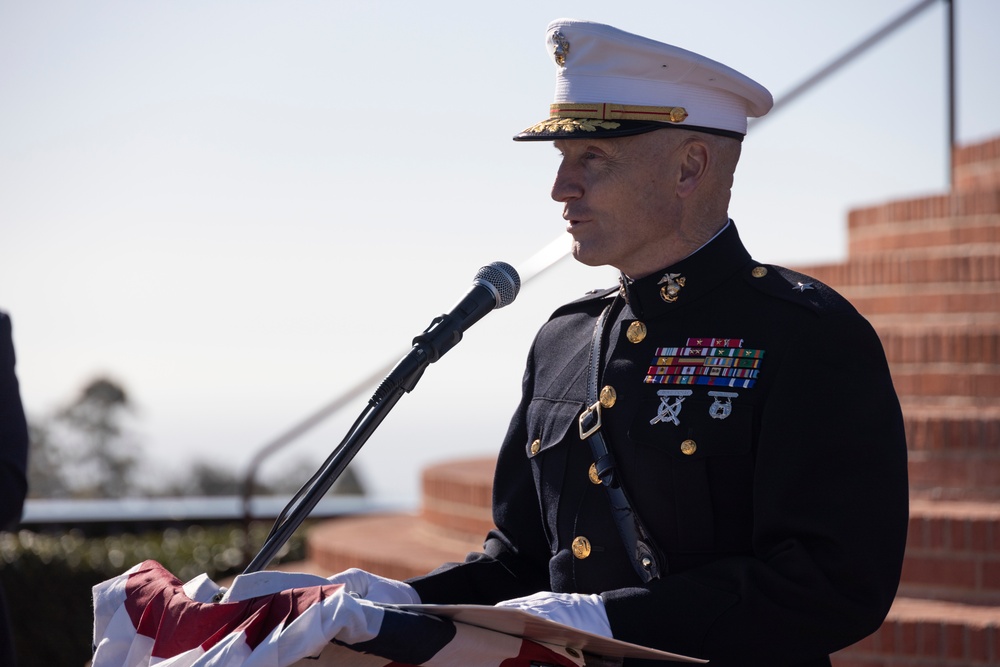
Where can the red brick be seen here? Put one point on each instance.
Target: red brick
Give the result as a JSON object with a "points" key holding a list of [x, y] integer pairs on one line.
{"points": [[955, 642], [991, 574], [929, 640], [907, 639], [979, 534], [958, 535], [936, 536], [979, 644], [940, 572], [915, 533]]}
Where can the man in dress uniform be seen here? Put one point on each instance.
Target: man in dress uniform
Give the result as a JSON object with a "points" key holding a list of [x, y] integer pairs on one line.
{"points": [[708, 458]]}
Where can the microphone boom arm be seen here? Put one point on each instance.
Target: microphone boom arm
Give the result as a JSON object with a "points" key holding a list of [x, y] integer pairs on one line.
{"points": [[444, 332], [307, 497]]}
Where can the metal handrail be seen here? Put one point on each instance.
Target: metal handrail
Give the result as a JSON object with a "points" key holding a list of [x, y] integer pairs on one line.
{"points": [[846, 57], [871, 40]]}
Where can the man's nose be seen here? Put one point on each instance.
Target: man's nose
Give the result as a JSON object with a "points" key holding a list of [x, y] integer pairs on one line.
{"points": [[567, 185]]}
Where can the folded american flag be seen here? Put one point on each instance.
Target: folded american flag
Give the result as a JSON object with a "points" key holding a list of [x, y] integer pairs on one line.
{"points": [[146, 616]]}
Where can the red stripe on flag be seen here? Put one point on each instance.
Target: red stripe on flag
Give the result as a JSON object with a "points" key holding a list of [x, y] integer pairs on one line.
{"points": [[159, 609]]}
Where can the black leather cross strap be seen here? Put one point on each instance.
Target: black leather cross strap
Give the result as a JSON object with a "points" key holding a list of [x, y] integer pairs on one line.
{"points": [[645, 557]]}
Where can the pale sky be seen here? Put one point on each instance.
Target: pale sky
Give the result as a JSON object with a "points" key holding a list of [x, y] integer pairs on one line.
{"points": [[238, 210]]}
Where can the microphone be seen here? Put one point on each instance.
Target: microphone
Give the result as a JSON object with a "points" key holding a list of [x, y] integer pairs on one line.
{"points": [[494, 286]]}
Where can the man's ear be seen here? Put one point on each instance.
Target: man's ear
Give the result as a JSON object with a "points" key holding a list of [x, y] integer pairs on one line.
{"points": [[694, 160]]}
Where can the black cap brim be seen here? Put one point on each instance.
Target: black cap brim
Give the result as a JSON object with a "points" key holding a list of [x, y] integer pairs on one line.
{"points": [[589, 128]]}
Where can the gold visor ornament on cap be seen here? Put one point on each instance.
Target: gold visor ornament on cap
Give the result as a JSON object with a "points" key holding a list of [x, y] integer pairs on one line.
{"points": [[571, 125]]}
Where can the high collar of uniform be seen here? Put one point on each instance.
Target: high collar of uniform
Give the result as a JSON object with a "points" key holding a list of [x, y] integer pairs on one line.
{"points": [[689, 279]]}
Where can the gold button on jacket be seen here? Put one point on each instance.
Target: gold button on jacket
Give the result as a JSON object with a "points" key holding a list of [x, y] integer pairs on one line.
{"points": [[592, 474], [636, 332]]}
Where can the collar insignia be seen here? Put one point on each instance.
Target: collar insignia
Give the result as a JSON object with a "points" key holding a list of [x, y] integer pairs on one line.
{"points": [[671, 286]]}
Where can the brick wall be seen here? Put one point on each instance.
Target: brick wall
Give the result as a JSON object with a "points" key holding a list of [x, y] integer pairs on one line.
{"points": [[926, 272]]}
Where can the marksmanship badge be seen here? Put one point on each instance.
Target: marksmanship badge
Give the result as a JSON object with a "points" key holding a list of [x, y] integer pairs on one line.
{"points": [[670, 405], [718, 409]]}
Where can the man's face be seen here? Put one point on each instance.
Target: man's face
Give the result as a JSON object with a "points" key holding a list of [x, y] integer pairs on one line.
{"points": [[620, 199]]}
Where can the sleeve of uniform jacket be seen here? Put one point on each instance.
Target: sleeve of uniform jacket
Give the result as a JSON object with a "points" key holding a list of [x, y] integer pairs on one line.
{"points": [[830, 514]]}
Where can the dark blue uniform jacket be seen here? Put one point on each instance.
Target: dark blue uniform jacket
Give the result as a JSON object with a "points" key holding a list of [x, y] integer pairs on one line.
{"points": [[758, 435]]}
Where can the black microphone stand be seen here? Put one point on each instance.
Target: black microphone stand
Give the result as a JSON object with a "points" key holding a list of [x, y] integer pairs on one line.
{"points": [[442, 335]]}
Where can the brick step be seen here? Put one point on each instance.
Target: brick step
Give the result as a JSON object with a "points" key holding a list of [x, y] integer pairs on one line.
{"points": [[927, 633], [960, 340], [974, 262], [953, 448], [935, 221], [953, 552], [932, 321], [954, 477], [398, 546], [977, 167], [965, 429], [457, 497], [975, 380], [953, 300]]}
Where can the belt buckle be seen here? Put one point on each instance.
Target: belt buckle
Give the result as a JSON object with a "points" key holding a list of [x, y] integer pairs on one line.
{"points": [[587, 432]]}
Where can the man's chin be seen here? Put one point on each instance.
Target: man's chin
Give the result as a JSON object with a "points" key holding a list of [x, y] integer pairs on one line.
{"points": [[588, 259]]}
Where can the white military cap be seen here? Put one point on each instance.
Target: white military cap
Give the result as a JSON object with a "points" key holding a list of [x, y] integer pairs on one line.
{"points": [[612, 83]]}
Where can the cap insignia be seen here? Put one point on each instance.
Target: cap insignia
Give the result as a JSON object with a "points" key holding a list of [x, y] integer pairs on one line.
{"points": [[560, 47]]}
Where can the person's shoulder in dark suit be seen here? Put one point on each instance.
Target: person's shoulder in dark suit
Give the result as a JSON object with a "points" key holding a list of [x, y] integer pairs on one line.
{"points": [[13, 433]]}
